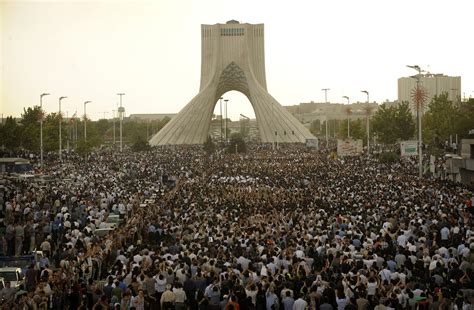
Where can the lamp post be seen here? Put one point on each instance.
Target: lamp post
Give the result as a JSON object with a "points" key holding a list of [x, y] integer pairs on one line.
{"points": [[367, 109], [226, 100], [326, 101], [243, 129], [121, 110], [85, 120], [60, 121], [419, 98], [222, 118], [113, 123], [348, 119], [41, 129]]}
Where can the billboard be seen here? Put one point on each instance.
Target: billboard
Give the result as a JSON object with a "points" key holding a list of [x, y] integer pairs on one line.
{"points": [[312, 143], [349, 147], [409, 148]]}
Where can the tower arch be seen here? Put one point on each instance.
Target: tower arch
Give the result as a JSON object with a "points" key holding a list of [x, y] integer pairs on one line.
{"points": [[232, 58]]}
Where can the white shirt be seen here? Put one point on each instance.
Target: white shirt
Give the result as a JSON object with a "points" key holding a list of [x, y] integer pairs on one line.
{"points": [[300, 304], [444, 233], [179, 294]]}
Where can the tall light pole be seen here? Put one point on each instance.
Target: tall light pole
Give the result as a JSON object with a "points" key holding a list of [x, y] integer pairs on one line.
{"points": [[60, 121], [226, 100], [348, 118], [326, 101], [85, 120], [222, 117], [367, 121], [113, 122], [41, 129], [121, 110], [419, 98]]}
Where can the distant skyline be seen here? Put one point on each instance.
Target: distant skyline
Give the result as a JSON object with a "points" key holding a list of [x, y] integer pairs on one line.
{"points": [[151, 50]]}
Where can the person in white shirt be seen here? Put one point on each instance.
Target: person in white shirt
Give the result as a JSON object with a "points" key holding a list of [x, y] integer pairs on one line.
{"points": [[180, 297], [300, 304]]}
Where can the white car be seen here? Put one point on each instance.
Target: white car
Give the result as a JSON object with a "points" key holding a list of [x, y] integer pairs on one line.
{"points": [[12, 274]]}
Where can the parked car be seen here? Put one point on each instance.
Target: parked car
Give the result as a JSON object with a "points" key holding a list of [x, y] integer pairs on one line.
{"points": [[12, 274]]}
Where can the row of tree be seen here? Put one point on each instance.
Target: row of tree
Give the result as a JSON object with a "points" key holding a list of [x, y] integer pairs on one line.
{"points": [[25, 133], [443, 119]]}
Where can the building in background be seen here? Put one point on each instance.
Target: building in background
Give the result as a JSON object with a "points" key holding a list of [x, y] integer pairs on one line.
{"points": [[434, 85], [308, 112], [151, 117]]}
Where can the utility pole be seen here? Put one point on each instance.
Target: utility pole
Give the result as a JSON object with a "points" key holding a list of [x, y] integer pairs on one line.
{"points": [[60, 121], [367, 110], [226, 100], [41, 129], [222, 117], [419, 98], [348, 110], [326, 101], [121, 110], [113, 122]]}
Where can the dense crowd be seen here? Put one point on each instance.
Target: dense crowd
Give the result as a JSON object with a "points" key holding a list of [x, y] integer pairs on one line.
{"points": [[288, 229]]}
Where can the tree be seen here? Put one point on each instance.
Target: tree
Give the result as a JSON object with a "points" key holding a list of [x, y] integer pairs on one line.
{"points": [[84, 147], [357, 129], [237, 143], [465, 118], [440, 121], [140, 145], [30, 128], [315, 126], [404, 121], [393, 123], [10, 133], [209, 146]]}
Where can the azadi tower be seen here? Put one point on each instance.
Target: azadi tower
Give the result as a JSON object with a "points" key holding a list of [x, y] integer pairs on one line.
{"points": [[232, 58]]}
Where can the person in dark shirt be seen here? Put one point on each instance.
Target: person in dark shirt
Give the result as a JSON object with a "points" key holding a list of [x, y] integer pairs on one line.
{"points": [[31, 277]]}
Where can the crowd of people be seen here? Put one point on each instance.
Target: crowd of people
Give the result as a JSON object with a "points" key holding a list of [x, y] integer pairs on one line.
{"points": [[286, 229]]}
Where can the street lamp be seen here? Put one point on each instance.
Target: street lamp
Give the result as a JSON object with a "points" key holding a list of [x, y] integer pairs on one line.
{"points": [[85, 120], [348, 110], [367, 110], [222, 118], [326, 101], [226, 100], [41, 129], [113, 122], [121, 110], [243, 129], [60, 121], [419, 98]]}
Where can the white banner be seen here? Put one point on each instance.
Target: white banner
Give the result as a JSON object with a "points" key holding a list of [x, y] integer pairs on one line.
{"points": [[409, 148], [349, 147]]}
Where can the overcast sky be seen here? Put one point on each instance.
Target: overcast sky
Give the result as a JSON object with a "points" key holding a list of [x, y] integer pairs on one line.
{"points": [[150, 50]]}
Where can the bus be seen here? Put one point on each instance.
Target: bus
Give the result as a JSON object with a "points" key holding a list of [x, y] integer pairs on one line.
{"points": [[15, 165]]}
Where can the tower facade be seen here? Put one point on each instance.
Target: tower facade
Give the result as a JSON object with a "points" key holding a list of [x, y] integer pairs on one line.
{"points": [[232, 58]]}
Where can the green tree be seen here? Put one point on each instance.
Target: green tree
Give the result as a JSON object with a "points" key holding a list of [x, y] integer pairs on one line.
{"points": [[440, 120], [84, 147], [465, 118], [393, 123], [30, 128], [10, 133], [102, 126], [315, 126], [140, 144], [357, 129], [237, 143], [209, 146], [404, 121]]}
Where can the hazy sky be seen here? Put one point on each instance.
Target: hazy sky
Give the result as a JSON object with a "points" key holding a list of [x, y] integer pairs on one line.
{"points": [[150, 50]]}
